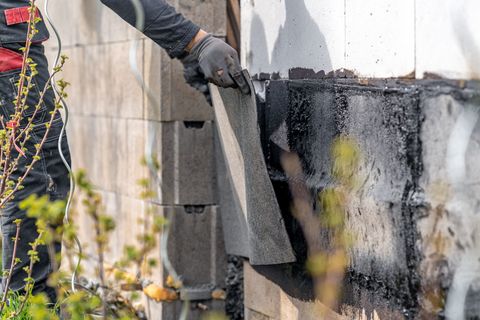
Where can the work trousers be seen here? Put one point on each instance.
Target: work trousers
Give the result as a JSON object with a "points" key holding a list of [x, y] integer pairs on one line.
{"points": [[49, 176]]}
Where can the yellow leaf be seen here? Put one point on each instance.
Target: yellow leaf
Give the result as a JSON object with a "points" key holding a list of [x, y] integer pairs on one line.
{"points": [[159, 294]]}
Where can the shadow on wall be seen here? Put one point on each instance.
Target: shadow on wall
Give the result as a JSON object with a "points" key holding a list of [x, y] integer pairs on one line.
{"points": [[299, 43]]}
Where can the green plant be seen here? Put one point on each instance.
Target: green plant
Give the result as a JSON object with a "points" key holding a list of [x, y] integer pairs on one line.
{"points": [[14, 303]]}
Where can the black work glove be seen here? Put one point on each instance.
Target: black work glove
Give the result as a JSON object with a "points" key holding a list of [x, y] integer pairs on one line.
{"points": [[219, 62], [195, 77]]}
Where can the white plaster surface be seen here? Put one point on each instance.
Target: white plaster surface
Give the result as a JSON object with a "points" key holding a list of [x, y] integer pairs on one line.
{"points": [[448, 38], [374, 38], [380, 39], [279, 35]]}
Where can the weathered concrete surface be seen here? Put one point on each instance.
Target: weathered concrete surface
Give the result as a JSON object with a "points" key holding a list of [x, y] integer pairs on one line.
{"points": [[88, 22], [450, 223], [179, 101], [118, 96], [201, 262], [187, 162], [196, 251], [264, 300], [200, 257], [111, 151]]}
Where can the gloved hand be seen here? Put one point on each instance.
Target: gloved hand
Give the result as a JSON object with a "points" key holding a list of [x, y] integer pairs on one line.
{"points": [[195, 77], [220, 64]]}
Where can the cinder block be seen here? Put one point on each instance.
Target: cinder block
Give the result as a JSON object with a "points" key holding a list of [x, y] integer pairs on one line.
{"points": [[254, 315], [387, 49], [125, 212], [102, 83], [186, 155], [174, 99], [195, 246], [172, 311], [111, 150], [260, 294], [196, 251], [63, 17], [99, 145], [98, 24], [265, 300], [136, 145], [210, 15], [87, 22]]}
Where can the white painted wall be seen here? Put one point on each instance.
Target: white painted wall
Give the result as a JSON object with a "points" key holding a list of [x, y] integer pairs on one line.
{"points": [[374, 38], [448, 38]]}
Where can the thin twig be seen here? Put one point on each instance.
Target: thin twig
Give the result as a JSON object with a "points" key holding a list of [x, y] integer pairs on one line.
{"points": [[28, 287], [12, 265], [36, 157]]}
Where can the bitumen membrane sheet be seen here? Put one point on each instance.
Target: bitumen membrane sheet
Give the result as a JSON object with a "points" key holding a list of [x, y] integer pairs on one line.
{"points": [[252, 221]]}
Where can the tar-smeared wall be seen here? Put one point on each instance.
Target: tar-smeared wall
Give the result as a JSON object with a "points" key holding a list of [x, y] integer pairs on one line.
{"points": [[321, 70]]}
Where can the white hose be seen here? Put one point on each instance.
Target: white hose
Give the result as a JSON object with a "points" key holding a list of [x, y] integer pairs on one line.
{"points": [[149, 146], [60, 140]]}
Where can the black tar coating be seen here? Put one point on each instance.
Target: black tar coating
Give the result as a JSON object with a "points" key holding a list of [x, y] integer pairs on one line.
{"points": [[398, 107]]}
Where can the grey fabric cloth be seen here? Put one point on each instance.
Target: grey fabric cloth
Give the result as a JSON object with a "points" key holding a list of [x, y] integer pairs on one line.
{"points": [[252, 220]]}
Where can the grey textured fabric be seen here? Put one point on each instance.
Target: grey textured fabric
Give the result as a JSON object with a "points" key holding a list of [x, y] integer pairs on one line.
{"points": [[168, 28], [253, 224]]}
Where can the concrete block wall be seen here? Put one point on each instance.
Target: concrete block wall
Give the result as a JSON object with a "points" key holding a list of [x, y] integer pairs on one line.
{"points": [[374, 38], [111, 119]]}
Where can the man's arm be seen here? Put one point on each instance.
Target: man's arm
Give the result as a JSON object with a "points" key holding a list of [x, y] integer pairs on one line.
{"points": [[163, 24], [180, 36]]}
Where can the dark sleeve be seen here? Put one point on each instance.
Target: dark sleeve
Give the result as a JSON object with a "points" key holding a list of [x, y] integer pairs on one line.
{"points": [[169, 29]]}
